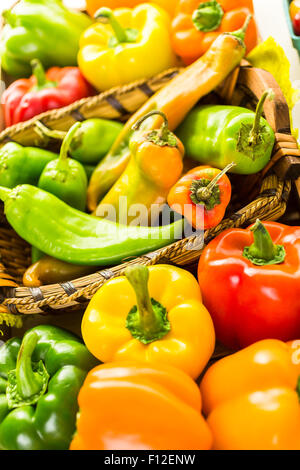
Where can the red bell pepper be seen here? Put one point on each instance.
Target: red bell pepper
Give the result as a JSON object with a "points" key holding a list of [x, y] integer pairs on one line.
{"points": [[58, 87], [252, 289]]}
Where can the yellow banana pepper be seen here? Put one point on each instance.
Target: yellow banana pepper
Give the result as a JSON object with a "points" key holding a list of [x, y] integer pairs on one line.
{"points": [[125, 45], [152, 315]]}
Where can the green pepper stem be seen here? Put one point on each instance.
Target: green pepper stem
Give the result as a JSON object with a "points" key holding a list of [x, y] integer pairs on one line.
{"points": [[65, 146], [205, 192], [106, 15], [28, 382], [146, 322], [254, 134], [9, 17], [241, 33], [4, 193], [44, 131], [263, 251], [161, 137]]}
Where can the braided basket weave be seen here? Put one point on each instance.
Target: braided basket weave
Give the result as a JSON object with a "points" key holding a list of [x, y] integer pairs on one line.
{"points": [[261, 196]]}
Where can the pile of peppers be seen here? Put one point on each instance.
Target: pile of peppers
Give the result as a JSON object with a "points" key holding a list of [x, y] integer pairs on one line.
{"points": [[142, 374]]}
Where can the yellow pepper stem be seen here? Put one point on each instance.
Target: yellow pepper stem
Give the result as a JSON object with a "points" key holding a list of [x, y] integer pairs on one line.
{"points": [[147, 321], [106, 15]]}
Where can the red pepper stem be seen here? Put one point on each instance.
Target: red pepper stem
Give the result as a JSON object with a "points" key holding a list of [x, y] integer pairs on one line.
{"points": [[205, 192], [65, 146], [28, 383], [39, 72], [254, 134], [106, 15], [44, 131], [147, 321], [263, 251]]}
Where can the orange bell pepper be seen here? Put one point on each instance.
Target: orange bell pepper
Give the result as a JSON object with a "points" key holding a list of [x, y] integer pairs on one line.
{"points": [[133, 406], [197, 24], [202, 196], [251, 398], [152, 315], [93, 5]]}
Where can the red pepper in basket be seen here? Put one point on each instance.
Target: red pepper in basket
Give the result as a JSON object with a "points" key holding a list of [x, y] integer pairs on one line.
{"points": [[250, 282], [43, 91]]}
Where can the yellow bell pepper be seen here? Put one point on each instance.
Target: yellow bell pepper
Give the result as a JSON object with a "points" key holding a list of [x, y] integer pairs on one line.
{"points": [[126, 45], [152, 315]]}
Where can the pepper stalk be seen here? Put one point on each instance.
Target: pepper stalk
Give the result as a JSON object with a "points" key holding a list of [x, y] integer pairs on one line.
{"points": [[121, 35], [263, 251], [163, 136], [40, 75]]}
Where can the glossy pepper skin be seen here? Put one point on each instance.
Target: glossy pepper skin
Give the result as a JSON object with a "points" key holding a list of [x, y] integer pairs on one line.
{"points": [[197, 24], [173, 327], [155, 166], [123, 51], [66, 178], [58, 87], [202, 196], [40, 378], [40, 29], [251, 398], [244, 137], [67, 234], [257, 272], [175, 100], [135, 406], [93, 5], [91, 142]]}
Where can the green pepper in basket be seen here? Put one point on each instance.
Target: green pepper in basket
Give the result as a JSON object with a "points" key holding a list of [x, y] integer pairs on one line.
{"points": [[218, 135], [40, 29], [66, 178], [91, 142], [40, 379]]}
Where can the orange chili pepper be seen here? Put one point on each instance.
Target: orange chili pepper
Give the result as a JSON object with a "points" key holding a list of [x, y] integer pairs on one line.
{"points": [[93, 5], [294, 8], [202, 196], [133, 406], [197, 24], [251, 398]]}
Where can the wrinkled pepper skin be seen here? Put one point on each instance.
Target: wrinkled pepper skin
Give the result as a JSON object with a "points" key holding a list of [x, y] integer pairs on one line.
{"points": [[46, 421], [107, 60], [252, 302], [62, 232], [40, 29], [175, 100], [212, 136], [251, 398], [136, 406], [188, 341]]}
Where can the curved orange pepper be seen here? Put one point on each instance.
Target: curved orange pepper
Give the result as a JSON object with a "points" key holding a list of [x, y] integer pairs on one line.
{"points": [[133, 406], [251, 398], [190, 43], [93, 5], [294, 8]]}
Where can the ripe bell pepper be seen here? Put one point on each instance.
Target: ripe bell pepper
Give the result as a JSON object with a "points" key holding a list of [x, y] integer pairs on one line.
{"points": [[257, 272], [131, 44], [202, 196], [40, 29], [155, 166], [40, 378], [25, 98], [172, 327], [136, 406], [93, 5], [251, 398], [197, 24]]}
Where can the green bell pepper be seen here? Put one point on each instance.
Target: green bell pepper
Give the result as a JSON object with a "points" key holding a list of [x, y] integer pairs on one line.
{"points": [[40, 29], [66, 178], [40, 378], [217, 135]]}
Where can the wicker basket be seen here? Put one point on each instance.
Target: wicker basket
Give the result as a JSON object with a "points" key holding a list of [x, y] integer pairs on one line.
{"points": [[261, 196]]}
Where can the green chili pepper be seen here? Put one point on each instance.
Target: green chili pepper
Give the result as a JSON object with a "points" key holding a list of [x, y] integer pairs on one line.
{"points": [[40, 29], [91, 142], [40, 378], [219, 135], [69, 235], [66, 178]]}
